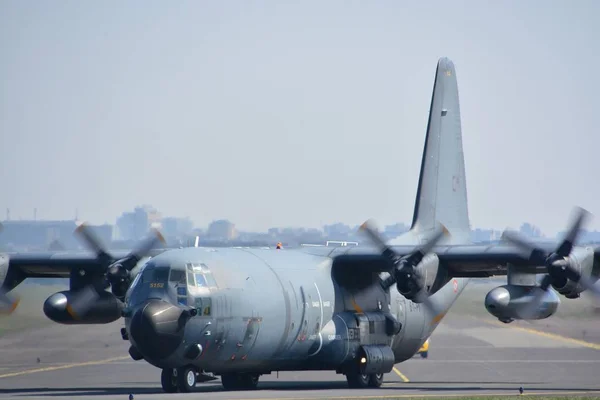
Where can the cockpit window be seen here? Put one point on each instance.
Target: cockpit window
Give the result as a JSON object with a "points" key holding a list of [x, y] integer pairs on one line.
{"points": [[177, 276], [156, 274], [200, 281], [204, 278]]}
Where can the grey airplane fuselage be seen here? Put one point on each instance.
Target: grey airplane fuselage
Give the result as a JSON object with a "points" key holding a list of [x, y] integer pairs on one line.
{"points": [[269, 310]]}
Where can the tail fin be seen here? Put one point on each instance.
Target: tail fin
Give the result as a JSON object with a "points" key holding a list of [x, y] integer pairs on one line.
{"points": [[442, 191]]}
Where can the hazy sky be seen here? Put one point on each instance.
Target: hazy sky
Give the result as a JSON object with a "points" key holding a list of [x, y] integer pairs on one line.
{"points": [[294, 113]]}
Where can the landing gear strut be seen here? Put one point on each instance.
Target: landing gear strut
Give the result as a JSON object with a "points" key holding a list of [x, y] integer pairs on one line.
{"points": [[239, 381], [359, 381], [178, 380]]}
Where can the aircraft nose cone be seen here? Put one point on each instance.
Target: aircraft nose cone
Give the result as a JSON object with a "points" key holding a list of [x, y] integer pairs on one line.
{"points": [[497, 298], [157, 328]]}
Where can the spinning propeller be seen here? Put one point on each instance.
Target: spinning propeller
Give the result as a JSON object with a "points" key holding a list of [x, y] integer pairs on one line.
{"points": [[407, 278], [8, 302], [116, 273], [557, 263]]}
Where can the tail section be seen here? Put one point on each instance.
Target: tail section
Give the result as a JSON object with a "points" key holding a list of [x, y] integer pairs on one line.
{"points": [[442, 191]]}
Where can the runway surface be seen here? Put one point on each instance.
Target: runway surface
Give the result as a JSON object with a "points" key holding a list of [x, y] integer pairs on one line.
{"points": [[468, 356]]}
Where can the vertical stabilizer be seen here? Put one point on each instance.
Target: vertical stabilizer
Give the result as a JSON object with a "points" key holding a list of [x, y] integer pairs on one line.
{"points": [[442, 191]]}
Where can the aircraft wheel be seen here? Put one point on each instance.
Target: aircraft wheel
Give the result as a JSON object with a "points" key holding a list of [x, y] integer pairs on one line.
{"points": [[239, 381], [249, 381], [186, 379], [168, 380], [357, 381], [375, 380]]}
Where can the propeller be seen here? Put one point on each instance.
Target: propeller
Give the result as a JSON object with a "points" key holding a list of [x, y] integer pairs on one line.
{"points": [[557, 263], [8, 302], [403, 273], [116, 273]]}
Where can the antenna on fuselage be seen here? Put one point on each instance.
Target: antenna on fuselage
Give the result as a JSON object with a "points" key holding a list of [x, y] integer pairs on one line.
{"points": [[197, 241]]}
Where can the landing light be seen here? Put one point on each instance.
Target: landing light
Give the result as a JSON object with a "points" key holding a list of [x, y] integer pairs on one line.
{"points": [[363, 360]]}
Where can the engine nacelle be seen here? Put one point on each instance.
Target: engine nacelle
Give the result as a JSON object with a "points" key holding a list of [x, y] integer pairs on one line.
{"points": [[428, 270], [507, 302], [106, 309], [582, 260]]}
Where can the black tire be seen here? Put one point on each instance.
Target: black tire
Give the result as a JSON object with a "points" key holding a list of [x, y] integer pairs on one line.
{"points": [[357, 381], [186, 379], [168, 381], [375, 380], [249, 381], [239, 381]]}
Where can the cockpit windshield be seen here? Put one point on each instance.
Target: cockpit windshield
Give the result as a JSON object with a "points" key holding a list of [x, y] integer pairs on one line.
{"points": [[204, 278], [156, 274], [185, 284], [150, 282]]}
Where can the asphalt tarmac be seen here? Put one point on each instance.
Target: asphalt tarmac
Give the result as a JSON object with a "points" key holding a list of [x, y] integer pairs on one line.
{"points": [[470, 354]]}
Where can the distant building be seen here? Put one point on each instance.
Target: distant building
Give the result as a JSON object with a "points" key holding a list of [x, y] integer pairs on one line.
{"points": [[176, 227], [37, 235], [135, 225], [221, 229]]}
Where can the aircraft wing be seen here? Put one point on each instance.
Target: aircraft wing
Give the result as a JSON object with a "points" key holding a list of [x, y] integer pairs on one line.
{"points": [[462, 261], [16, 267]]}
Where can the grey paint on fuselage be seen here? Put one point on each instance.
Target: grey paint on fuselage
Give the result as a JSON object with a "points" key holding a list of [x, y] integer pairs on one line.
{"points": [[293, 301]]}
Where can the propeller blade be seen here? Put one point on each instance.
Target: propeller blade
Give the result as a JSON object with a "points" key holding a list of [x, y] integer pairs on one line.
{"points": [[590, 287], [142, 249], [524, 245], [416, 257], [8, 302], [92, 241], [580, 216], [146, 245], [371, 230], [423, 298], [81, 301]]}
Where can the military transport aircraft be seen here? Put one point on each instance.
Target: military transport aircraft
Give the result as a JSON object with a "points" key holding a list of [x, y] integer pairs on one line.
{"points": [[241, 313]]}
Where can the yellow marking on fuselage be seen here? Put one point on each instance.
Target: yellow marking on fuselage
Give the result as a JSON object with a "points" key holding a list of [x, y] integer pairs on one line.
{"points": [[401, 375], [356, 306], [66, 366], [554, 336], [438, 318]]}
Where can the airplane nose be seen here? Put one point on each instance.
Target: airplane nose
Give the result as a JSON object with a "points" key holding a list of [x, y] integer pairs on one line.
{"points": [[157, 328]]}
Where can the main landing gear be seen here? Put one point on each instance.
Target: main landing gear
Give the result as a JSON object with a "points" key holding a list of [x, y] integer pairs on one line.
{"points": [[360, 381], [178, 380], [239, 381]]}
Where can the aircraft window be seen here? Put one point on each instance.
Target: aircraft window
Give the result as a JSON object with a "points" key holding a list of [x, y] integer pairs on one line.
{"points": [[191, 280], [159, 274], [177, 276], [200, 281], [210, 281]]}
